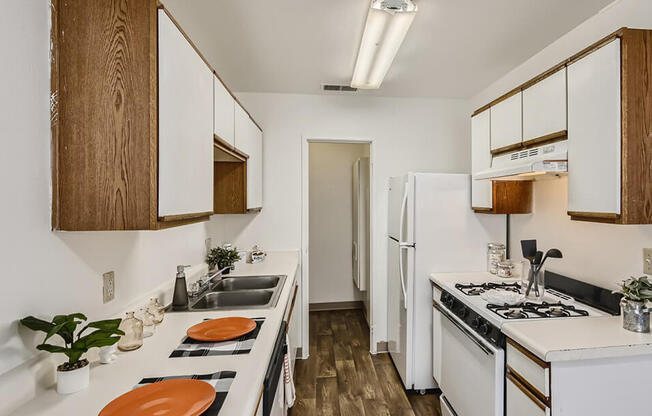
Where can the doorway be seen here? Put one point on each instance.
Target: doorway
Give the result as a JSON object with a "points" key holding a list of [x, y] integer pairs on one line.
{"points": [[337, 229]]}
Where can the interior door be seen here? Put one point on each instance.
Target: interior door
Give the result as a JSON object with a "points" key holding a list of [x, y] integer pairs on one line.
{"points": [[356, 225]]}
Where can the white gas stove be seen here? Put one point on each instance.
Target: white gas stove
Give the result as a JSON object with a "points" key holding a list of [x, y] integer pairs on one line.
{"points": [[471, 351]]}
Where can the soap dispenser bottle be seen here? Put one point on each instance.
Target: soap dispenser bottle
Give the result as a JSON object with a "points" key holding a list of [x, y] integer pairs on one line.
{"points": [[180, 299]]}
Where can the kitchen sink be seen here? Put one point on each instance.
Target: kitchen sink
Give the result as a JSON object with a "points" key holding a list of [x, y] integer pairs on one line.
{"points": [[241, 292], [246, 283]]}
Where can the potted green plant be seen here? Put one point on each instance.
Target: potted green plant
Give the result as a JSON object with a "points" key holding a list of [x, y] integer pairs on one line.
{"points": [[636, 291], [222, 258], [73, 375]]}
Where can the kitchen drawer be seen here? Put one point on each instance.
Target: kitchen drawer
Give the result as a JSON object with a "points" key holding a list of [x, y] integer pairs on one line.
{"points": [[520, 401], [531, 369]]}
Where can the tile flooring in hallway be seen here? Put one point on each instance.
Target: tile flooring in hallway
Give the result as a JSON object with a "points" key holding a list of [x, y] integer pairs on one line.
{"points": [[341, 377]]}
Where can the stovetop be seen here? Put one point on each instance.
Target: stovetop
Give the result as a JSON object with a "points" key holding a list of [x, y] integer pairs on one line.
{"points": [[476, 289], [530, 310]]}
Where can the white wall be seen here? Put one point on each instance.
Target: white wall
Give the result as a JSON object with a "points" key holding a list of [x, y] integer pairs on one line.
{"points": [[44, 272], [331, 221], [601, 254], [408, 134]]}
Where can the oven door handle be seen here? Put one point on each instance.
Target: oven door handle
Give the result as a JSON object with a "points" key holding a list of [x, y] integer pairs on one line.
{"points": [[462, 329]]}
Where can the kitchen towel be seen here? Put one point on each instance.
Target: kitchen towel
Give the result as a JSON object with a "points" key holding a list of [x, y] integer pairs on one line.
{"points": [[288, 378], [221, 381], [242, 345]]}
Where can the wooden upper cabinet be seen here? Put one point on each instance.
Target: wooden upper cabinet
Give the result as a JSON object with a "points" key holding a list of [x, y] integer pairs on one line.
{"points": [[594, 126], [506, 124], [185, 126], [544, 108], [224, 112], [249, 139], [481, 195]]}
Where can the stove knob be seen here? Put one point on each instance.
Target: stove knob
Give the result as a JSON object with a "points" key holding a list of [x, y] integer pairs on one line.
{"points": [[464, 312], [475, 323], [448, 301], [484, 328]]}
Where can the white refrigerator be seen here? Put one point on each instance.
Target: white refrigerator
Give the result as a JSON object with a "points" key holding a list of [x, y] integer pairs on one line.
{"points": [[432, 228]]}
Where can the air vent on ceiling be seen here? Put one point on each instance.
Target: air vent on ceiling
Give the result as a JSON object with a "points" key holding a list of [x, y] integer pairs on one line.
{"points": [[341, 88]]}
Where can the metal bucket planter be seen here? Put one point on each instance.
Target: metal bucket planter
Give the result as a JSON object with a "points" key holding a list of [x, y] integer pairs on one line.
{"points": [[636, 315]]}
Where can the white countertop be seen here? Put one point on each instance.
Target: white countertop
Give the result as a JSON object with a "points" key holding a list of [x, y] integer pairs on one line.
{"points": [[152, 359], [580, 338]]}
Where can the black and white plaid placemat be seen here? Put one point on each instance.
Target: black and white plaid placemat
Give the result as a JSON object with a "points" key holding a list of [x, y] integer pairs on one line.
{"points": [[243, 345], [221, 381]]}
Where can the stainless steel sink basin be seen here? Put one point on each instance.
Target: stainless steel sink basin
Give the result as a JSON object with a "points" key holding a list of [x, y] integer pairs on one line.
{"points": [[246, 283], [241, 292], [224, 300]]}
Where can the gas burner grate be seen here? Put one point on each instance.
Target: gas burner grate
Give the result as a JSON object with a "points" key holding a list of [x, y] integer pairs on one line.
{"points": [[475, 289], [530, 310]]}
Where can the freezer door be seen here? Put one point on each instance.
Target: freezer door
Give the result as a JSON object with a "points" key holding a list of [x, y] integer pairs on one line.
{"points": [[400, 309]]}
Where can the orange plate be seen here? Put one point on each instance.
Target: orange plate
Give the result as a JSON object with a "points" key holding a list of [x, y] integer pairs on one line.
{"points": [[221, 329], [178, 397]]}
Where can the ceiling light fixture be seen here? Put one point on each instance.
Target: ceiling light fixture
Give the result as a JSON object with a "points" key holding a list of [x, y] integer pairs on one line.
{"points": [[387, 24]]}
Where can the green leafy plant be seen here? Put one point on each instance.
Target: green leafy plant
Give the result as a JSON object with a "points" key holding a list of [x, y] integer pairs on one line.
{"points": [[222, 257], [106, 333], [637, 289]]}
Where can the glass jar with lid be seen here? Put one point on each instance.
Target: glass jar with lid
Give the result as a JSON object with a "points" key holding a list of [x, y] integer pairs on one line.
{"points": [[495, 254], [506, 269]]}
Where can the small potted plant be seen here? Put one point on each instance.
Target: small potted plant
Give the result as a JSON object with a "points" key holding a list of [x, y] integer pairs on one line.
{"points": [[636, 292], [222, 258], [74, 374]]}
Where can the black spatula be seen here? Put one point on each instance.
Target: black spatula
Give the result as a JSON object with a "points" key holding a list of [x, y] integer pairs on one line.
{"points": [[529, 248]]}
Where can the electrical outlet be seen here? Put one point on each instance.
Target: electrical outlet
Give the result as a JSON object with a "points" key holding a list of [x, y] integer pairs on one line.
{"points": [[647, 260], [108, 290]]}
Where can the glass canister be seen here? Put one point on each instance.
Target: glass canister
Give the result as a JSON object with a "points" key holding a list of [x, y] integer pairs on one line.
{"points": [[133, 329], [156, 309], [495, 254], [506, 269], [533, 281], [149, 326]]}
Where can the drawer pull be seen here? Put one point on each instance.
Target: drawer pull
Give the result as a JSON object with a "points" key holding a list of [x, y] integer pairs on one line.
{"points": [[542, 405]]}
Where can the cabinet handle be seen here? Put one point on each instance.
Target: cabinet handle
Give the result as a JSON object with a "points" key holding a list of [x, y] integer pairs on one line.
{"points": [[525, 390]]}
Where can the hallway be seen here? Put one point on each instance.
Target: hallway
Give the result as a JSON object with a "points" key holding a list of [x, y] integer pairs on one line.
{"points": [[342, 378]]}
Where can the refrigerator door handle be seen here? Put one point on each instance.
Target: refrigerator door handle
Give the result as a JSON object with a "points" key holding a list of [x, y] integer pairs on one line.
{"points": [[403, 245]]}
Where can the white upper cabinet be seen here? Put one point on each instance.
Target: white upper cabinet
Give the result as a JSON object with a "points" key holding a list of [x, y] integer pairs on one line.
{"points": [[249, 139], [506, 122], [481, 191], [544, 107], [185, 125], [223, 112], [594, 132]]}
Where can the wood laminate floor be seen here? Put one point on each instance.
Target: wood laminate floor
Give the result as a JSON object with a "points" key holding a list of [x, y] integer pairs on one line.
{"points": [[342, 378]]}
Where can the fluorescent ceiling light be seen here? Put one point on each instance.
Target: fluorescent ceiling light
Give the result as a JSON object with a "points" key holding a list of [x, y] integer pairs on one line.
{"points": [[387, 24]]}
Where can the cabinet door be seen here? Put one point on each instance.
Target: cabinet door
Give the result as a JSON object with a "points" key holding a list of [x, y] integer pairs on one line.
{"points": [[594, 132], [481, 195], [506, 122], [544, 107], [223, 112], [436, 344], [249, 139], [185, 145]]}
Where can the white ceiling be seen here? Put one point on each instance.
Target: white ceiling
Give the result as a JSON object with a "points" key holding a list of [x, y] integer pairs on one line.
{"points": [[455, 48]]}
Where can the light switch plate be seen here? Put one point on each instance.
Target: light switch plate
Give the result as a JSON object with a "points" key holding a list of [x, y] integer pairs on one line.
{"points": [[108, 290], [647, 260]]}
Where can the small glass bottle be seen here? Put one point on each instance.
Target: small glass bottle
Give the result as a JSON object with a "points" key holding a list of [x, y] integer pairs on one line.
{"points": [[133, 329], [149, 326], [495, 254], [156, 309]]}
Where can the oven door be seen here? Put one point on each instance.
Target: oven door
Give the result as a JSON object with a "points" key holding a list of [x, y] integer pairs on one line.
{"points": [[472, 370]]}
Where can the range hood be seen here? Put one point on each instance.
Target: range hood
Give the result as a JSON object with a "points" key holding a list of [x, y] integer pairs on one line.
{"points": [[536, 163]]}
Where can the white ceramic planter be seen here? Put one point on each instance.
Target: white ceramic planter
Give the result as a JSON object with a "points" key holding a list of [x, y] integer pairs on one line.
{"points": [[73, 381]]}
